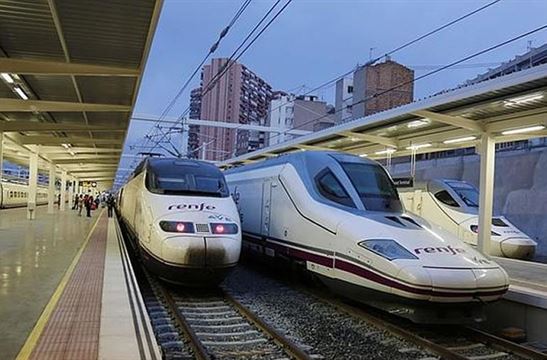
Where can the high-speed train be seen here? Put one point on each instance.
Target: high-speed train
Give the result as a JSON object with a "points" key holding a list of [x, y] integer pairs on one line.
{"points": [[454, 205], [15, 195], [340, 217], [183, 220]]}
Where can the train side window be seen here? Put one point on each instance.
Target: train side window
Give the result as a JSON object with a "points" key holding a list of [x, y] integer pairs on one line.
{"points": [[444, 197], [11, 194], [330, 188]]}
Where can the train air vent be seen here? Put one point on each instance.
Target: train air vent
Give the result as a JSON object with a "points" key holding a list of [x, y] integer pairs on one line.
{"points": [[410, 220], [499, 222], [395, 219], [202, 228]]}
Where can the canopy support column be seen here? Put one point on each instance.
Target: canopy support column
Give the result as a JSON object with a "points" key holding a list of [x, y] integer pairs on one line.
{"points": [[62, 206], [32, 185], [1, 155], [51, 189], [70, 192], [486, 191]]}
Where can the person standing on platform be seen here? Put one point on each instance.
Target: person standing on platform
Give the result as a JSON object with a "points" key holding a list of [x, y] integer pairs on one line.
{"points": [[80, 204], [88, 204], [59, 201], [110, 204], [75, 203]]}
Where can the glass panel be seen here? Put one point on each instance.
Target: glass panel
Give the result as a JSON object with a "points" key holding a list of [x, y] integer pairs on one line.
{"points": [[446, 198], [466, 192], [331, 189], [374, 187]]}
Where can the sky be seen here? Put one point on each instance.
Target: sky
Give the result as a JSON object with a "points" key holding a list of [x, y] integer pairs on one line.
{"points": [[316, 40]]}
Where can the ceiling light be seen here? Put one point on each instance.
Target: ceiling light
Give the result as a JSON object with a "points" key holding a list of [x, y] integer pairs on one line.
{"points": [[71, 153], [20, 92], [523, 130], [66, 146], [386, 151], [523, 99], [417, 123], [363, 155], [420, 146], [459, 140], [7, 77]]}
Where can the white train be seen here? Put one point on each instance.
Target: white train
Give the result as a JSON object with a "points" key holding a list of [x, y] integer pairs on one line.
{"points": [[340, 216], [183, 220], [454, 205], [16, 195]]}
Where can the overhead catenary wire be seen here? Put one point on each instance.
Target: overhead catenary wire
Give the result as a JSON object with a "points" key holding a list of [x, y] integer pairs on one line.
{"points": [[370, 62], [245, 4], [469, 57], [233, 58]]}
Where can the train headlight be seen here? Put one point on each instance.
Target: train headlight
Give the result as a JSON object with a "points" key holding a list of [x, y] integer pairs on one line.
{"points": [[387, 248], [223, 228], [177, 226], [475, 229]]}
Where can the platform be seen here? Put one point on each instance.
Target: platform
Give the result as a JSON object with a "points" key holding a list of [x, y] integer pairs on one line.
{"points": [[67, 290]]}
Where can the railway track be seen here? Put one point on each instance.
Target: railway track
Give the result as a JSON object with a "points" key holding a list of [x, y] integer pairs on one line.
{"points": [[213, 325], [450, 343]]}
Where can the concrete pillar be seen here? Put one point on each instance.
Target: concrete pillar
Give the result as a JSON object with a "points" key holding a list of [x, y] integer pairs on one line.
{"points": [[70, 192], [51, 189], [63, 191], [486, 197], [77, 186], [32, 185]]}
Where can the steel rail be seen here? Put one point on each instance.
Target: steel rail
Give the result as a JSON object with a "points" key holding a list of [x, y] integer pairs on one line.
{"points": [[503, 344], [199, 351], [289, 346]]}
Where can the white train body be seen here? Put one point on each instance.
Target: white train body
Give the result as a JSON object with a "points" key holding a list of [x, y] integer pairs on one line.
{"points": [[16, 195], [183, 219], [453, 205], [340, 216]]}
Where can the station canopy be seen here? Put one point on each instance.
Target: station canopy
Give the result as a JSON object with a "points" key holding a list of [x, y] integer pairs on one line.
{"points": [[69, 75], [509, 108]]}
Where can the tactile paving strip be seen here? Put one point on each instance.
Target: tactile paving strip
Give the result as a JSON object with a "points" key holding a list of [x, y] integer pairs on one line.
{"points": [[72, 331]]}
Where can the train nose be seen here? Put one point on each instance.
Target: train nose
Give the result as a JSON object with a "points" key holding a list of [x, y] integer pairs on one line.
{"points": [[518, 248], [194, 252], [463, 285]]}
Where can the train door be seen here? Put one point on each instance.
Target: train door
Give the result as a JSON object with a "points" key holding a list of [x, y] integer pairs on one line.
{"points": [[266, 206]]}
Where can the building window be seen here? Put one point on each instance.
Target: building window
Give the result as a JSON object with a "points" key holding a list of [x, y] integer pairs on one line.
{"points": [[350, 89]]}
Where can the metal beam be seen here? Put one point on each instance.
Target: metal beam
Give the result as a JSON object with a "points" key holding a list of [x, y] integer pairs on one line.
{"points": [[456, 121], [10, 126], [49, 140], [36, 67], [370, 138], [87, 160], [311, 147], [56, 150], [19, 105]]}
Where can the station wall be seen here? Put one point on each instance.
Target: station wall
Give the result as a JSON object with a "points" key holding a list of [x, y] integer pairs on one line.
{"points": [[520, 186]]}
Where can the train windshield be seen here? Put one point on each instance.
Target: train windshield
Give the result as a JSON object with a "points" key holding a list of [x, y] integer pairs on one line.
{"points": [[186, 178], [374, 187], [466, 192]]}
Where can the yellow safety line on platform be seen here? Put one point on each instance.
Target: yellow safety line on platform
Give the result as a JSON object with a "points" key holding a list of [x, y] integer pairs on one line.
{"points": [[32, 339]]}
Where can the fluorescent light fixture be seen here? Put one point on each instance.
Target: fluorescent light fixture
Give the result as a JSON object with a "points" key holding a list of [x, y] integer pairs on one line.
{"points": [[523, 99], [7, 77], [419, 146], [523, 130], [417, 123], [459, 140], [71, 153], [363, 155], [66, 146], [20, 92], [386, 151]]}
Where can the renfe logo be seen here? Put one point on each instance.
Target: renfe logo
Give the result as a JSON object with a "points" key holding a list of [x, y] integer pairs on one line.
{"points": [[435, 250], [196, 207]]}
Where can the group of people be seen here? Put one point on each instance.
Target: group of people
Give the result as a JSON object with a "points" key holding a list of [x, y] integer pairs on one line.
{"points": [[87, 201]]}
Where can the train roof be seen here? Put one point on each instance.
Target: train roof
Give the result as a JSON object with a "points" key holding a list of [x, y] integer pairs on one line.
{"points": [[297, 158], [170, 165]]}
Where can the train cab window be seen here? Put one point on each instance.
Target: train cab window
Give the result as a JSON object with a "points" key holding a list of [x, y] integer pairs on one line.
{"points": [[467, 192], [178, 177], [330, 188], [444, 197], [375, 188]]}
